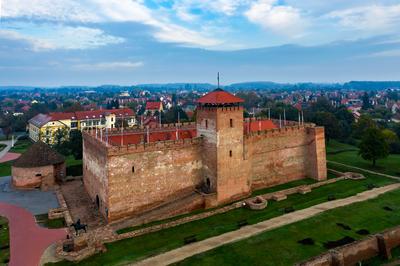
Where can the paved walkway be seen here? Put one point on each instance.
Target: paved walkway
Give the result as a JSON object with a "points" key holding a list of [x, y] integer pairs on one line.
{"points": [[6, 149], [184, 252], [365, 170], [27, 240], [35, 201]]}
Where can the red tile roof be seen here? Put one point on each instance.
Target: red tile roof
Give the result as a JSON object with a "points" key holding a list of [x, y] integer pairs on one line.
{"points": [[41, 119], [219, 96], [258, 125], [61, 116], [153, 105]]}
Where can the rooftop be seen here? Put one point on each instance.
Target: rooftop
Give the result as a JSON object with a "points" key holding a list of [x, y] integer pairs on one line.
{"points": [[39, 154], [41, 119], [219, 96]]}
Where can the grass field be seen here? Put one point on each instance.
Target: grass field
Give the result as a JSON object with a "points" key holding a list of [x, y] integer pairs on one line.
{"points": [[4, 241], [133, 249], [21, 146], [281, 247], [74, 167], [342, 153]]}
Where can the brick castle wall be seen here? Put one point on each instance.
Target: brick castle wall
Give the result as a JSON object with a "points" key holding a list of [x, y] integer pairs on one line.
{"points": [[282, 155], [95, 171], [132, 179], [146, 176]]}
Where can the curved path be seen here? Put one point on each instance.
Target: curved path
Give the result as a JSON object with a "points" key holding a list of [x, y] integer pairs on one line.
{"points": [[184, 252], [365, 170], [27, 240]]}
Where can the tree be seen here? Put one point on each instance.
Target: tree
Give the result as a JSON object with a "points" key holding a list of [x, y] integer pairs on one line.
{"points": [[366, 104], [373, 145], [364, 122], [75, 144], [6, 122], [330, 122]]}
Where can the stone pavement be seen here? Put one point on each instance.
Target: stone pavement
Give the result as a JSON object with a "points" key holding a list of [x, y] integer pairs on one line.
{"points": [[27, 240], [6, 149], [35, 201], [184, 252]]}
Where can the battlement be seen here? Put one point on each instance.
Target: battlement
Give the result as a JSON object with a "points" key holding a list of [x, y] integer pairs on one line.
{"points": [[154, 146], [277, 131], [141, 147], [224, 108], [153, 128]]}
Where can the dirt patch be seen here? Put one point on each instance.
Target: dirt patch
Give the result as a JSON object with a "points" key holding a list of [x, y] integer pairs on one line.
{"points": [[306, 241], [343, 226], [341, 242], [363, 232]]}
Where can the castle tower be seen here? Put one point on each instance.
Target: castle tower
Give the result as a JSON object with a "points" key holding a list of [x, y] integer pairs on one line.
{"points": [[220, 123]]}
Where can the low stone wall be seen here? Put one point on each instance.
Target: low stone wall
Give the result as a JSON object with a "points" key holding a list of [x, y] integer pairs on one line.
{"points": [[375, 245], [62, 209]]}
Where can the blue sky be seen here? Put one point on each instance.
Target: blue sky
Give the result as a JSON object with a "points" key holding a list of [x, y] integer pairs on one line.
{"points": [[94, 42]]}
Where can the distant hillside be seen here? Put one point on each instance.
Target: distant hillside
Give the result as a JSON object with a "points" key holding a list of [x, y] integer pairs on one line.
{"points": [[372, 85], [251, 85]]}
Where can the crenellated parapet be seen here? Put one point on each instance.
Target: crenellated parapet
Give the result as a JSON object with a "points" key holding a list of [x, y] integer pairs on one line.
{"points": [[153, 146], [279, 131]]}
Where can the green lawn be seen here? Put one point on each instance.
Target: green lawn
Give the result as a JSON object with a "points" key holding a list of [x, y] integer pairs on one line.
{"points": [[21, 146], [281, 247], [390, 165], [44, 221], [133, 249], [4, 241], [74, 167]]}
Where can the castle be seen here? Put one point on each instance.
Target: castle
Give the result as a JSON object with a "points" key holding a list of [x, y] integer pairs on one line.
{"points": [[220, 158]]}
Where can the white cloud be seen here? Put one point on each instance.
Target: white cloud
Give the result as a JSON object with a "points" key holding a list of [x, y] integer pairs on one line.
{"points": [[109, 65], [388, 53], [226, 7], [371, 18], [285, 20], [51, 37], [101, 11]]}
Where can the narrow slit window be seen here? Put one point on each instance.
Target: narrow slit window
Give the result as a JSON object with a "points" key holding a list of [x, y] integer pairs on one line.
{"points": [[231, 122], [230, 153], [206, 123], [133, 169]]}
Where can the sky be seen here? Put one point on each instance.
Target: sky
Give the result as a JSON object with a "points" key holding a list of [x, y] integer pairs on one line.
{"points": [[125, 42]]}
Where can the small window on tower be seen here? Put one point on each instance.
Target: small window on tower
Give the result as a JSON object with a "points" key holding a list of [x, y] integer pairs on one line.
{"points": [[230, 153], [231, 122], [133, 169], [206, 123]]}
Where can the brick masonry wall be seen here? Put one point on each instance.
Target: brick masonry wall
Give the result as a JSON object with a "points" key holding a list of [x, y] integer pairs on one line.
{"points": [[25, 178], [364, 249], [95, 171], [139, 181], [283, 155]]}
